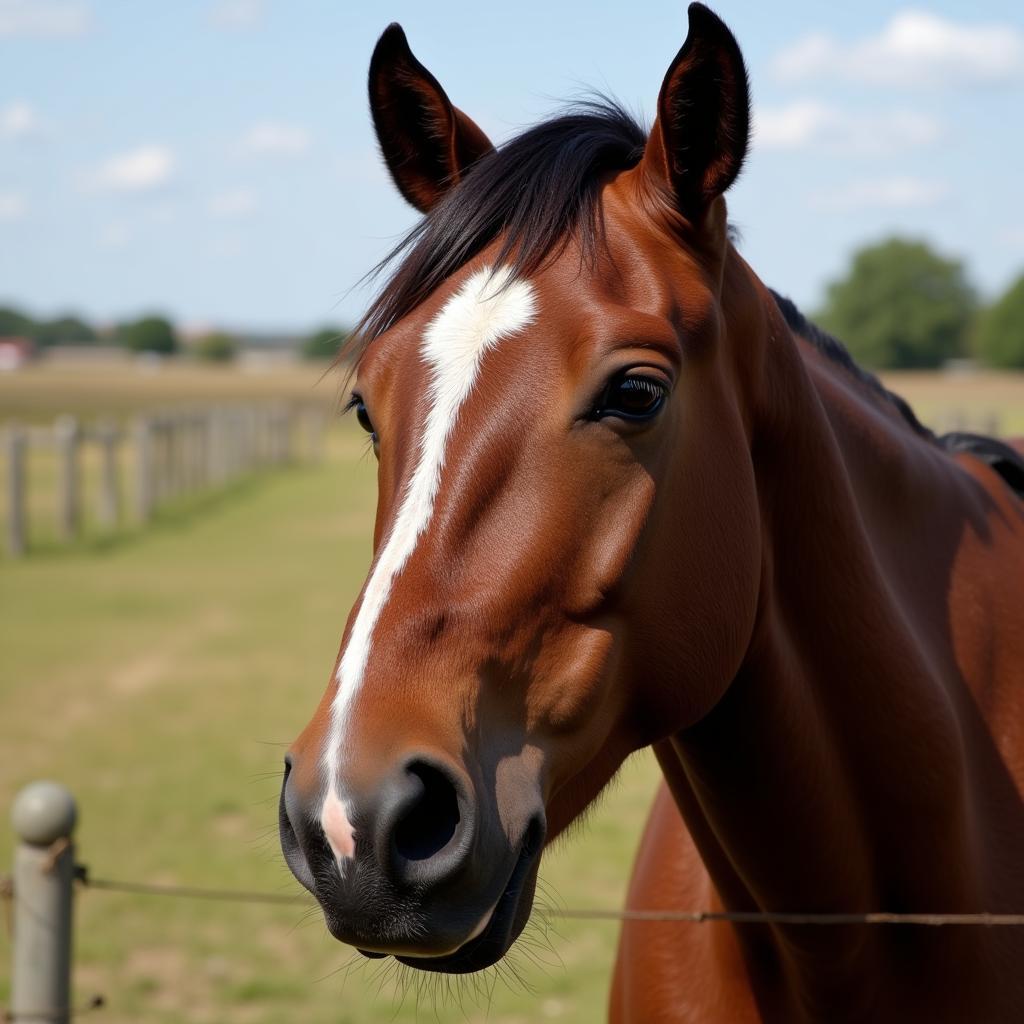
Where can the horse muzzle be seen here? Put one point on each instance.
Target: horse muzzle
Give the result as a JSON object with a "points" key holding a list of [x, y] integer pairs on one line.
{"points": [[415, 867]]}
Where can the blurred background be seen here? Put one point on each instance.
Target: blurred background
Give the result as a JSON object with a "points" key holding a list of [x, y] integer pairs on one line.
{"points": [[189, 198]]}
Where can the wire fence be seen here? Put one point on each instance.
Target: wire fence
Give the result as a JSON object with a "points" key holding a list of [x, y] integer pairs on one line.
{"points": [[47, 872], [251, 896]]}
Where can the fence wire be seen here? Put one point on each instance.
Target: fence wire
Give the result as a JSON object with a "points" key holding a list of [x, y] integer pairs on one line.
{"points": [[54, 1016], [983, 919], [82, 876]]}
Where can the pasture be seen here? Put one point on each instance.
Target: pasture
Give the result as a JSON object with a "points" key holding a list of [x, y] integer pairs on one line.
{"points": [[161, 678]]}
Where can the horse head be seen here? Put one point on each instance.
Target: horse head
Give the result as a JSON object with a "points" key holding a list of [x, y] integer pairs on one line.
{"points": [[566, 561]]}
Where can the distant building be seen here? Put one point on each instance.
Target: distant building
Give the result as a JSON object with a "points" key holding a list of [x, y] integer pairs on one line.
{"points": [[15, 353], [257, 350], [259, 360], [86, 354], [266, 351]]}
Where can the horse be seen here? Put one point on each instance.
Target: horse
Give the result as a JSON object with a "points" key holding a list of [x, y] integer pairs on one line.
{"points": [[630, 497]]}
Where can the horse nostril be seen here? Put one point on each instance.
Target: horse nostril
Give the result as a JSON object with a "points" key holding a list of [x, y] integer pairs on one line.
{"points": [[431, 818], [284, 819], [290, 829]]}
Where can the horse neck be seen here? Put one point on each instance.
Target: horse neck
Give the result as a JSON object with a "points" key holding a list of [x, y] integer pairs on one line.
{"points": [[829, 777]]}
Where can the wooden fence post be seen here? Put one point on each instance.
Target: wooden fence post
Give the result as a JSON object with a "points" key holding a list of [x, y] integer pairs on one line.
{"points": [[269, 436], [260, 424], [164, 488], [189, 475], [286, 434], [214, 447], [251, 439], [179, 441], [199, 443], [143, 468], [165, 464], [43, 816], [158, 462], [109, 506], [17, 445], [272, 436], [226, 431], [201, 433], [174, 455], [67, 436], [318, 435]]}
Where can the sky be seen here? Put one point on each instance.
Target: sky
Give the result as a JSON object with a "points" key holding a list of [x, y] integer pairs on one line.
{"points": [[215, 159]]}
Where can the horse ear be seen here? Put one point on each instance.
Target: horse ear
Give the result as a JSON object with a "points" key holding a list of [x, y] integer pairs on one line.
{"points": [[427, 143], [700, 136]]}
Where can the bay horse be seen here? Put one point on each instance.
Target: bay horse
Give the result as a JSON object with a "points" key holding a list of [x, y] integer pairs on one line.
{"points": [[629, 497]]}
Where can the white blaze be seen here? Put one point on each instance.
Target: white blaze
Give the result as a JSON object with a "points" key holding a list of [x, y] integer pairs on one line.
{"points": [[484, 310]]}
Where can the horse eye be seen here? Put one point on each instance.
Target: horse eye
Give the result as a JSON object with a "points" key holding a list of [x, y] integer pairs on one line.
{"points": [[632, 398], [364, 417]]}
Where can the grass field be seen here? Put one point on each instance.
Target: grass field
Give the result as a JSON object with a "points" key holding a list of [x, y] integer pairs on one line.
{"points": [[162, 676]]}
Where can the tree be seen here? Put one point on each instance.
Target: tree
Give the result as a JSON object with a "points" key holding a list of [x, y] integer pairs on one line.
{"points": [[1000, 337], [218, 347], [901, 305], [64, 330], [324, 344], [150, 334], [14, 323]]}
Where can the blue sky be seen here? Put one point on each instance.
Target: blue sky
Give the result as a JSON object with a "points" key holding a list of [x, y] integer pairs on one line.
{"points": [[215, 159]]}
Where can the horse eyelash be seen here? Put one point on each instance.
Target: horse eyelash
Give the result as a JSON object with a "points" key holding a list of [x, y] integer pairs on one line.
{"points": [[353, 400], [644, 384]]}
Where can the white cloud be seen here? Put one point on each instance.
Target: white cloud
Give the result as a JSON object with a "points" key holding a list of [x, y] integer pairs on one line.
{"points": [[44, 18], [811, 123], [915, 48], [794, 126], [239, 202], [235, 15], [18, 121], [13, 206], [140, 170], [884, 193], [275, 138]]}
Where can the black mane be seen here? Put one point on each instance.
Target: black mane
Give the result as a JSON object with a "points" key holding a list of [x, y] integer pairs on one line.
{"points": [[833, 349], [1006, 461]]}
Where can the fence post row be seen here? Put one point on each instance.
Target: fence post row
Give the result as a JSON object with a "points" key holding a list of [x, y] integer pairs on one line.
{"points": [[174, 454], [43, 817]]}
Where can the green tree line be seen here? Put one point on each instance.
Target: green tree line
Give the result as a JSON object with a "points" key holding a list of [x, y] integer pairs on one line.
{"points": [[899, 305], [152, 333]]}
